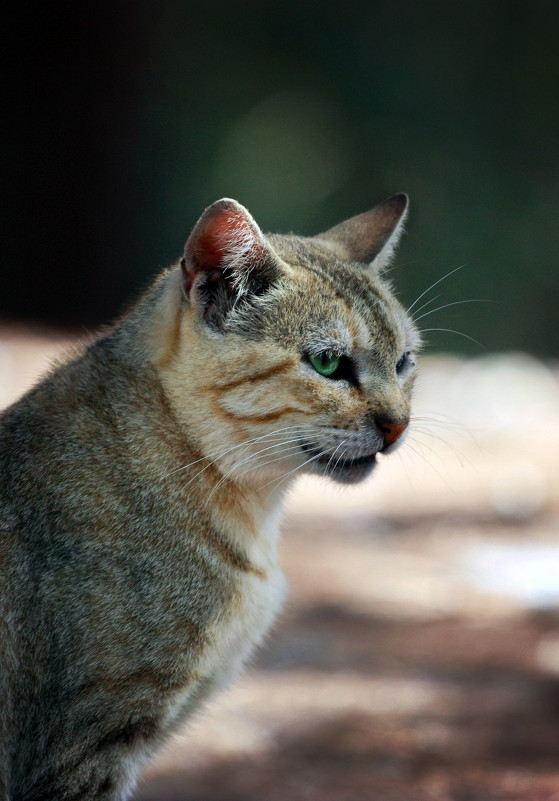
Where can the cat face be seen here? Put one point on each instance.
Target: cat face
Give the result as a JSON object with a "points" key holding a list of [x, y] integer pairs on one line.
{"points": [[305, 360], [353, 352]]}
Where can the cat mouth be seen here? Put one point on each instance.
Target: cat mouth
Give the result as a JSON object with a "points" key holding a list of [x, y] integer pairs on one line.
{"points": [[337, 466]]}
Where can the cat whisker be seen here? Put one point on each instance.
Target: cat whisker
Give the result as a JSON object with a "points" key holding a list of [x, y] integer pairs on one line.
{"points": [[427, 462], [295, 469], [435, 417], [288, 451], [339, 459], [404, 467], [334, 453], [425, 431], [426, 425], [452, 331], [427, 303], [286, 444], [450, 424], [447, 423], [434, 429], [229, 473], [432, 450], [228, 476], [221, 454], [434, 284], [212, 461], [454, 303]]}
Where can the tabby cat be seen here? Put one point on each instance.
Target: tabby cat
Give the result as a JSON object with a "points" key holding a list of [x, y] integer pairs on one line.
{"points": [[141, 486]]}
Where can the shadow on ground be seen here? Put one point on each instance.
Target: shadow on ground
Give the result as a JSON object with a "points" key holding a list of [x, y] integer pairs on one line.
{"points": [[347, 705]]}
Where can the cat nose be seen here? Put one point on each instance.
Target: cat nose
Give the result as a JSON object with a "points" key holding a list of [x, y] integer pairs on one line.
{"points": [[391, 431]]}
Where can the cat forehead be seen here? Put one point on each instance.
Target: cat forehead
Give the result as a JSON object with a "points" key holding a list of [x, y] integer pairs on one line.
{"points": [[341, 326], [335, 304], [304, 251]]}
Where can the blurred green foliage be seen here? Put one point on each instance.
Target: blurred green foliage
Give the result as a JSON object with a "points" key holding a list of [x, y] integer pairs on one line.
{"points": [[310, 112]]}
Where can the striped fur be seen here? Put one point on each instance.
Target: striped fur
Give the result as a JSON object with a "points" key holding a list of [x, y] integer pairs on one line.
{"points": [[141, 486]]}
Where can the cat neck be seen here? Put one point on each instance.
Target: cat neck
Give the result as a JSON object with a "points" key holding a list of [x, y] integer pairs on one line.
{"points": [[164, 337]]}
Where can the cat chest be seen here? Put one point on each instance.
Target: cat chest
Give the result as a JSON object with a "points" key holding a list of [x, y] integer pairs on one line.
{"points": [[252, 592], [232, 637], [256, 601]]}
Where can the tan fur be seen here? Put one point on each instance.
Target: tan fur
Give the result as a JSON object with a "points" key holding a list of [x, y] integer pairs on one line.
{"points": [[141, 487]]}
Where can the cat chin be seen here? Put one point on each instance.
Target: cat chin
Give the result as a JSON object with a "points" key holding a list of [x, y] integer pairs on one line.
{"points": [[352, 473], [347, 471]]}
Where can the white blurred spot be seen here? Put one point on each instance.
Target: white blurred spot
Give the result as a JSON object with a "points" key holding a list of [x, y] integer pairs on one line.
{"points": [[547, 654], [513, 392], [518, 490], [529, 573], [7, 375]]}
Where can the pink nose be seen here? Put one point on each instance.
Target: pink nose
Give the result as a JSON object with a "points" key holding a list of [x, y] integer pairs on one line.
{"points": [[391, 431]]}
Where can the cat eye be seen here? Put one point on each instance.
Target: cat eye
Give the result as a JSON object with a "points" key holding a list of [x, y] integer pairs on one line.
{"points": [[331, 364], [403, 363], [326, 363]]}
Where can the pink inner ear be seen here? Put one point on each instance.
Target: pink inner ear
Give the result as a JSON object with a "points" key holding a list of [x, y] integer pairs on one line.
{"points": [[223, 237], [215, 242]]}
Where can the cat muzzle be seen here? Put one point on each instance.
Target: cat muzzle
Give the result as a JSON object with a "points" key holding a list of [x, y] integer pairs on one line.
{"points": [[394, 435], [391, 431]]}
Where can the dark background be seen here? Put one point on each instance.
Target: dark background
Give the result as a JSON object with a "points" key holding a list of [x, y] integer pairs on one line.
{"points": [[123, 120]]}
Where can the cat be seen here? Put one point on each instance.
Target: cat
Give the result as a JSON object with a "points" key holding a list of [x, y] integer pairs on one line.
{"points": [[141, 486]]}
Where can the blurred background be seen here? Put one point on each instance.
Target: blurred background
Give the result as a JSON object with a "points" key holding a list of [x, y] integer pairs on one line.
{"points": [[418, 657], [123, 120]]}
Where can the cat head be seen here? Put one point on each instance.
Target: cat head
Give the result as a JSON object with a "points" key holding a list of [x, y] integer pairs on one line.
{"points": [[293, 352]]}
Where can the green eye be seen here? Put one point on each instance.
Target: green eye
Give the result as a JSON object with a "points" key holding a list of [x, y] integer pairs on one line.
{"points": [[325, 363]]}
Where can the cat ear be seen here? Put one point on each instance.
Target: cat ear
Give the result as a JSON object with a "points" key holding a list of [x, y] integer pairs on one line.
{"points": [[370, 237], [225, 257]]}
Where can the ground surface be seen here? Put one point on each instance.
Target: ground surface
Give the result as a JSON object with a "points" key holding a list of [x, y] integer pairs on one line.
{"points": [[418, 656]]}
